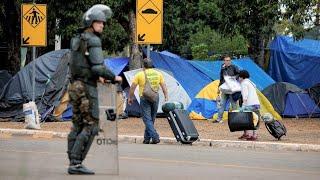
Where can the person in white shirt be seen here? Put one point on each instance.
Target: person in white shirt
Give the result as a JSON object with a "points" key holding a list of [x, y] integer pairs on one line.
{"points": [[250, 102]]}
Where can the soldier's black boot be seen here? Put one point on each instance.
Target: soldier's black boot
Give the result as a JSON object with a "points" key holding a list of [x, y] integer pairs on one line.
{"points": [[79, 169]]}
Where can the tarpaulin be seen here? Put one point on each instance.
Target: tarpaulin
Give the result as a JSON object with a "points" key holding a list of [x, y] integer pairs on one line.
{"points": [[296, 62]]}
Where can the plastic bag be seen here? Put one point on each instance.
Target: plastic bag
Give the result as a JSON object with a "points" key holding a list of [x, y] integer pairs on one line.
{"points": [[31, 115]]}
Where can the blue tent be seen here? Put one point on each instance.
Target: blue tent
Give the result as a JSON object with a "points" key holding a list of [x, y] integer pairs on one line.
{"points": [[116, 65], [291, 101], [195, 79], [51, 72], [300, 105], [167, 53], [190, 78], [296, 62], [257, 75]]}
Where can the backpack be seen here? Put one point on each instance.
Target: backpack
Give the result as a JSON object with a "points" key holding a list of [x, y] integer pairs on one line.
{"points": [[276, 129]]}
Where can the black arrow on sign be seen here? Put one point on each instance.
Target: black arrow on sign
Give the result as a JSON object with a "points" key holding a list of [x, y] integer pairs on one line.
{"points": [[140, 38], [25, 41]]}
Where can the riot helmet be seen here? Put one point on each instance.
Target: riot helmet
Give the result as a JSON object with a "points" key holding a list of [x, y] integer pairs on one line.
{"points": [[98, 12]]}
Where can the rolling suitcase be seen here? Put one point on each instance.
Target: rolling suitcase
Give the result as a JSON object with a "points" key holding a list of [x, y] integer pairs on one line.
{"points": [[182, 127], [276, 129]]}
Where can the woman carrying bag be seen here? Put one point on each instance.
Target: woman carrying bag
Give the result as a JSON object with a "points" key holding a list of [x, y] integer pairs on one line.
{"points": [[250, 103]]}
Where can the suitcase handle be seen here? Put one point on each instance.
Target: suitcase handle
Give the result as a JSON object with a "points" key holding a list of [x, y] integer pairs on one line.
{"points": [[268, 128]]}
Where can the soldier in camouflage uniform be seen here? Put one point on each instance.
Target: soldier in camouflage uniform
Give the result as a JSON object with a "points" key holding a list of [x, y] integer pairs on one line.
{"points": [[86, 69]]}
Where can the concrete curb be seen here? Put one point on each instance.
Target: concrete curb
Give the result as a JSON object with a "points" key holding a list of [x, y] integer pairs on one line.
{"points": [[7, 133]]}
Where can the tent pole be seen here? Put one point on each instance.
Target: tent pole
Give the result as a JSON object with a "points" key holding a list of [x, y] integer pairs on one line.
{"points": [[315, 107], [305, 107], [33, 72]]}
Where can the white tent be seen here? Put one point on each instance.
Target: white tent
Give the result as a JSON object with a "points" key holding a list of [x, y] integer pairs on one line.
{"points": [[175, 91]]}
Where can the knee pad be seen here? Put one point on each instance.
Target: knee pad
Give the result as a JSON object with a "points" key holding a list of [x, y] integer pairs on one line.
{"points": [[83, 136]]}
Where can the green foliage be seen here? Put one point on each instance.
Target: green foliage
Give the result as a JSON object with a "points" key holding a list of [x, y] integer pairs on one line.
{"points": [[182, 18], [114, 38], [248, 18], [298, 13], [200, 51], [282, 27], [255, 20], [191, 28], [210, 45]]}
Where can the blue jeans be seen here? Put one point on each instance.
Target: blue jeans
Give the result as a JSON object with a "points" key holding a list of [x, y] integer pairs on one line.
{"points": [[149, 112], [223, 101]]}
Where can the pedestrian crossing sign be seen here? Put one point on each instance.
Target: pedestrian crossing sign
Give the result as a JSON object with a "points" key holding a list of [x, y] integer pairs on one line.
{"points": [[33, 25]]}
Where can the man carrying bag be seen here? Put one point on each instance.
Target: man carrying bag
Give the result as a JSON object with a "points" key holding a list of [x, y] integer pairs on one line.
{"points": [[148, 81], [227, 70]]}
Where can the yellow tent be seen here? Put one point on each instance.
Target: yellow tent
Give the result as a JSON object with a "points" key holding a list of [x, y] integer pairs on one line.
{"points": [[57, 113], [210, 92]]}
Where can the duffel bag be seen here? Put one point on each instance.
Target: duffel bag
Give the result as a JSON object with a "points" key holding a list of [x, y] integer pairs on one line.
{"points": [[170, 106], [240, 121]]}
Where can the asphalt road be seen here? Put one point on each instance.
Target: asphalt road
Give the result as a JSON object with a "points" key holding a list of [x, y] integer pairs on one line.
{"points": [[26, 158]]}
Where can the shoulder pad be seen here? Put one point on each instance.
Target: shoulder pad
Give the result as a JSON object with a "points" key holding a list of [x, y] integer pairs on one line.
{"points": [[93, 40], [75, 43]]}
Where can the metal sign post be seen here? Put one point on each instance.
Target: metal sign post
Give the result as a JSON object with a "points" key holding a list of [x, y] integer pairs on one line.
{"points": [[33, 34], [33, 72], [148, 51]]}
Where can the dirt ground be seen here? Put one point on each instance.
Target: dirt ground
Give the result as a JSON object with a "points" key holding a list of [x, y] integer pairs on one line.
{"points": [[304, 131]]}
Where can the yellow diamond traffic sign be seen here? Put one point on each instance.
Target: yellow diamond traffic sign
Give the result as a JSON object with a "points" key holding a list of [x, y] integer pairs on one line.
{"points": [[149, 21], [149, 12], [34, 16], [33, 25]]}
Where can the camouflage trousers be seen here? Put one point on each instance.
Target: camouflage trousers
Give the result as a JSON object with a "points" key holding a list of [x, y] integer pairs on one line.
{"points": [[84, 99]]}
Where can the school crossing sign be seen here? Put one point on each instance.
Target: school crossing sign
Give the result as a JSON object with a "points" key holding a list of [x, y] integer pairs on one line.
{"points": [[149, 14], [33, 25]]}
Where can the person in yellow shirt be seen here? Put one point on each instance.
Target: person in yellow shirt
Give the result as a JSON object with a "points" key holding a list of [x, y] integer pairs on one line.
{"points": [[148, 109]]}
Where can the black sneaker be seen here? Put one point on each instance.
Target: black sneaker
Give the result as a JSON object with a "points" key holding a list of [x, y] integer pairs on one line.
{"points": [[79, 169], [146, 141], [155, 141]]}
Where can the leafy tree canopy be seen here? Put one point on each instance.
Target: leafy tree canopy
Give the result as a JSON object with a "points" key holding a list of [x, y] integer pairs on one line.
{"points": [[207, 44]]}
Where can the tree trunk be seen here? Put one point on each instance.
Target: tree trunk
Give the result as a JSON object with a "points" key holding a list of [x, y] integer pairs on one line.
{"points": [[136, 55], [256, 49], [12, 33], [13, 58]]}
